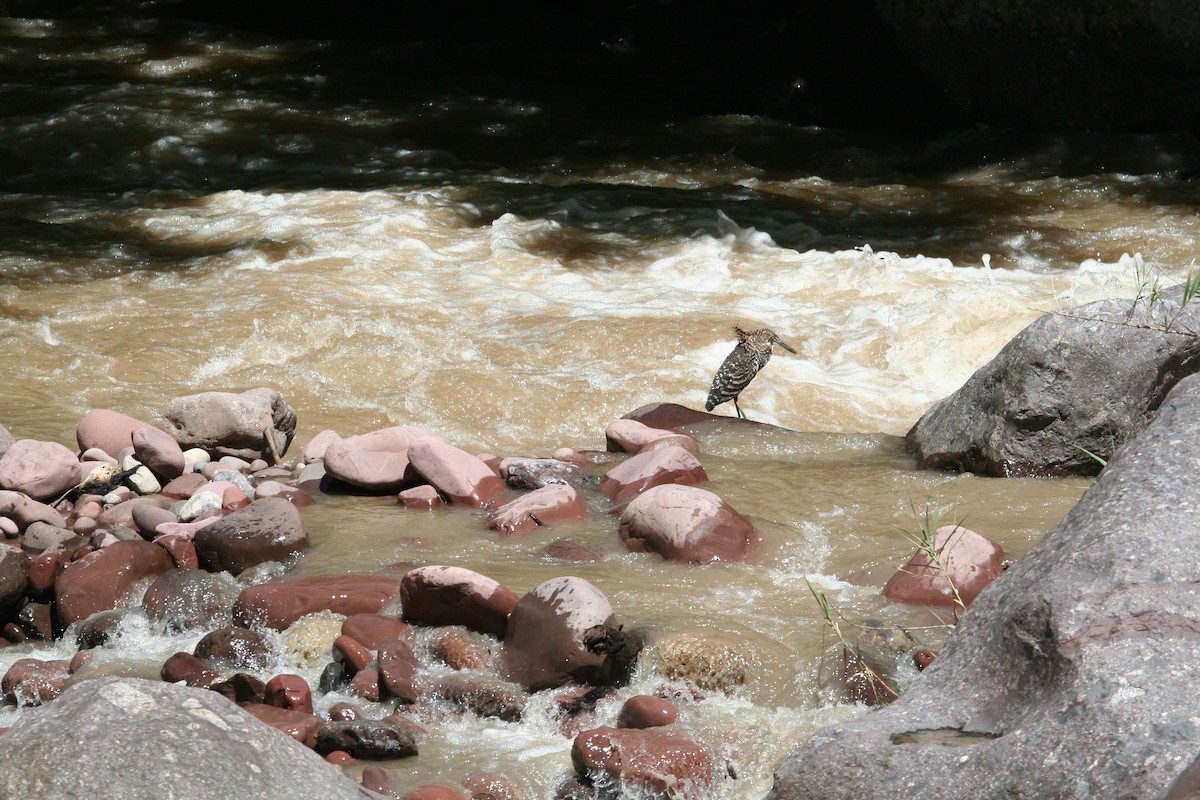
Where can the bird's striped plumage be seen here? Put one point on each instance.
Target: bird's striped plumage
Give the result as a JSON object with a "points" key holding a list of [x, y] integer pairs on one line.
{"points": [[751, 354]]}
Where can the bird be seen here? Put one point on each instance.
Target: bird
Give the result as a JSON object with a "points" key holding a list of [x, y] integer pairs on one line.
{"points": [[751, 354]]}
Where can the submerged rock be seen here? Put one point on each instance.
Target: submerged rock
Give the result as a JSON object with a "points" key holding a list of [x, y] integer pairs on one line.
{"points": [[666, 764], [1074, 383], [1092, 624]]}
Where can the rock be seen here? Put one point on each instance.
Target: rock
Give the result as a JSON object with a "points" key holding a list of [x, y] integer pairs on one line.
{"points": [[483, 785], [545, 643], [367, 739], [436, 791], [184, 486], [442, 595], [665, 465], [190, 599], [534, 473], [668, 765], [308, 640], [23, 510], [687, 524], [1092, 624], [568, 550], [190, 669], [316, 447], [646, 711], [544, 506], [672, 417], [42, 470], [455, 648], [372, 629], [122, 513], [711, 661], [202, 503], [106, 430], [40, 537], [400, 671], [241, 687], [266, 530], [366, 684], [215, 749], [147, 517], [376, 779], [236, 648], [376, 461], [484, 697], [158, 451], [458, 475], [351, 654], [278, 604], [99, 629], [297, 497], [14, 580], [967, 563], [112, 577], [30, 682], [253, 424], [6, 440], [298, 725], [423, 498], [1083, 380], [631, 436]]}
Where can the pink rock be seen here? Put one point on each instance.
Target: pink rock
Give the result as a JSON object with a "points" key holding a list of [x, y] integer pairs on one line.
{"points": [[190, 669], [280, 603], [184, 486], [351, 654], [423, 497], [456, 649], [245, 425], [436, 791], [457, 474], [109, 578], [180, 547], [42, 470], [666, 764], [23, 510], [570, 456], [301, 726], [399, 671], [315, 449], [189, 599], [544, 506], [631, 436], [377, 461], [376, 780], [545, 642], [29, 682], [372, 629], [109, 431], [14, 580], [266, 530], [443, 595], [291, 692], [158, 451], [185, 529], [688, 524], [664, 465], [366, 684], [297, 497], [646, 711], [970, 562], [493, 785]]}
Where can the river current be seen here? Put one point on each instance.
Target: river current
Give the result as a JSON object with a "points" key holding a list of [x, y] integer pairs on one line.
{"points": [[187, 208]]}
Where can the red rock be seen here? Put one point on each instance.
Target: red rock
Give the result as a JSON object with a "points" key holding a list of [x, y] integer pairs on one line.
{"points": [[340, 758], [422, 498], [147, 517], [457, 474], [122, 513], [42, 470], [30, 682], [181, 549], [544, 506], [664, 465], [108, 578], [646, 711], [670, 765], [455, 648], [688, 524], [158, 451], [672, 417], [442, 595], [568, 550], [371, 629], [106, 430], [376, 779], [184, 486], [291, 692], [399, 671], [343, 712], [923, 658], [80, 660], [483, 696], [266, 530], [190, 669], [367, 685], [297, 497], [631, 436], [970, 562], [189, 598], [436, 791], [351, 654], [37, 620], [491, 785], [237, 648], [280, 603], [23, 510], [300, 726], [14, 580], [544, 644], [242, 687]]}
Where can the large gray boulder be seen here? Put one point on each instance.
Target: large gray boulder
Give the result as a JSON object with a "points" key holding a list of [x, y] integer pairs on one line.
{"points": [[253, 424], [1085, 379], [115, 738], [1072, 674]]}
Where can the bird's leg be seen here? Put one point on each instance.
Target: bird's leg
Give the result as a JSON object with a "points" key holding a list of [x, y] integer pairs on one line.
{"points": [[739, 409]]}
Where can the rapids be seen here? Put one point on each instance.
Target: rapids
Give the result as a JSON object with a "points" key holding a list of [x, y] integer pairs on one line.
{"points": [[187, 208]]}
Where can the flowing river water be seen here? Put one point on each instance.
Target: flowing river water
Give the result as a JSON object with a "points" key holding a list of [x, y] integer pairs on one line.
{"points": [[187, 208]]}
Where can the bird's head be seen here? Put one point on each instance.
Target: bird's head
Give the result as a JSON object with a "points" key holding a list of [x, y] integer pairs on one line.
{"points": [[760, 339]]}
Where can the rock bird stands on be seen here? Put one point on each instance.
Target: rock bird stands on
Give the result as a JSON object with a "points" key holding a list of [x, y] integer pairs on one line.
{"points": [[751, 354]]}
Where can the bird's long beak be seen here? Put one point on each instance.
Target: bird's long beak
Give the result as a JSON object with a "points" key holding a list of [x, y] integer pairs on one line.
{"points": [[786, 346]]}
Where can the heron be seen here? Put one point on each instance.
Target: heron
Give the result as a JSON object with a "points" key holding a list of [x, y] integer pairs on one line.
{"points": [[751, 354]]}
